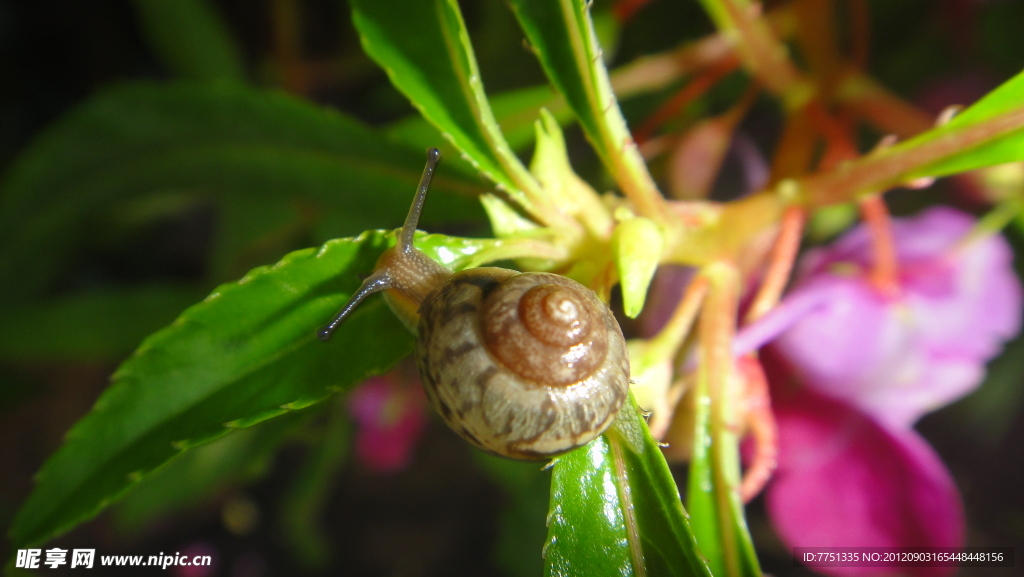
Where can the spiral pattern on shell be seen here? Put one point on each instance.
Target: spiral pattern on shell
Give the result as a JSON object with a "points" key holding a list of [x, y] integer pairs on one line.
{"points": [[525, 365]]}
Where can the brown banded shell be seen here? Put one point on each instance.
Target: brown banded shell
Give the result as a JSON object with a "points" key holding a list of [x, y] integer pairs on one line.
{"points": [[525, 365]]}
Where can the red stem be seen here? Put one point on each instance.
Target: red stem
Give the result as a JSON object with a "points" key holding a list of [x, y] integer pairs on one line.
{"points": [[763, 428], [885, 272], [686, 95], [787, 245]]}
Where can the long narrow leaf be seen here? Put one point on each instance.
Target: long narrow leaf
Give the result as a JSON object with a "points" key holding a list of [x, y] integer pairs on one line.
{"points": [[563, 37], [425, 49], [615, 509], [1002, 105], [516, 112], [245, 354], [713, 492], [988, 133]]}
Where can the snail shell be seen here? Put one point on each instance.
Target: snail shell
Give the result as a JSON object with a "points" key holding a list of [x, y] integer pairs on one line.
{"points": [[524, 365]]}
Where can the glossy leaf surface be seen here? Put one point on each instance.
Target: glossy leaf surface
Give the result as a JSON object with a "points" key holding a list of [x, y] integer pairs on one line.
{"points": [[562, 35], [245, 354], [615, 509], [1002, 106], [426, 51]]}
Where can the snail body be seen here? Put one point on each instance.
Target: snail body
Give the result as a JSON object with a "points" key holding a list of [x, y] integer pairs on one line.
{"points": [[523, 365]]}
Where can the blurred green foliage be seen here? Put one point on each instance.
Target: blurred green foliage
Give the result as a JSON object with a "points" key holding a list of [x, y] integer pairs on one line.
{"points": [[203, 154]]}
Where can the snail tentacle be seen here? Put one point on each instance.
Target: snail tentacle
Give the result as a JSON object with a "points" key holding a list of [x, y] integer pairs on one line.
{"points": [[522, 365], [403, 269], [413, 219], [378, 281]]}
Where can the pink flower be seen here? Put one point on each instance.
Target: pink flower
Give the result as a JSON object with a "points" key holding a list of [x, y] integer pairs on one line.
{"points": [[899, 358], [666, 291], [852, 472], [843, 480], [389, 419], [852, 368]]}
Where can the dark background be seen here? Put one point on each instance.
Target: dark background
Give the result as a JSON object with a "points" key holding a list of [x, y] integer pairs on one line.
{"points": [[444, 515]]}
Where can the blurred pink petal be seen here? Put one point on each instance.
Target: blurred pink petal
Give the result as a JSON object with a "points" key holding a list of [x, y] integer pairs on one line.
{"points": [[845, 481], [755, 166], [899, 358], [666, 291], [389, 419], [697, 158]]}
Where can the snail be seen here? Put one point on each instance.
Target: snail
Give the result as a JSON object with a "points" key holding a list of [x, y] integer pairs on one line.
{"points": [[523, 365]]}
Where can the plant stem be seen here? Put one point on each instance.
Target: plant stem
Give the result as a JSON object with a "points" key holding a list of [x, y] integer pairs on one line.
{"points": [[716, 332], [684, 97], [871, 101], [885, 268], [762, 427], [902, 162], [765, 57], [995, 220], [658, 71], [783, 256], [670, 338]]}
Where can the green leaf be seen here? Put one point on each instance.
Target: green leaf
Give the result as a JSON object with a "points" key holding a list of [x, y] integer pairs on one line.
{"points": [[191, 39], [615, 509], [989, 133], [1004, 105], [246, 354], [425, 49], [515, 110], [567, 190], [217, 139], [562, 35], [715, 506], [103, 325], [205, 472]]}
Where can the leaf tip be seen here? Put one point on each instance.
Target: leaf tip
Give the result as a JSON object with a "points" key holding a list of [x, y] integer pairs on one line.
{"points": [[638, 243]]}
